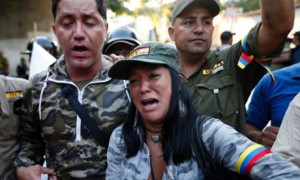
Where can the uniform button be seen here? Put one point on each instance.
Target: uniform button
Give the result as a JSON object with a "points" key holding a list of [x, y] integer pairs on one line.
{"points": [[171, 169], [216, 91]]}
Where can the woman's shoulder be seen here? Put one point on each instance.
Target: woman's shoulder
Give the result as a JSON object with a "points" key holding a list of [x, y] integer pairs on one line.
{"points": [[117, 133], [117, 137]]}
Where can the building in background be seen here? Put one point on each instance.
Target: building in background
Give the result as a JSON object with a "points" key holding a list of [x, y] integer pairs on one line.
{"points": [[21, 25]]}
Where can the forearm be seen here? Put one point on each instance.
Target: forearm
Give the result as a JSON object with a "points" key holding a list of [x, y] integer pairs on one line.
{"points": [[32, 146], [281, 169], [253, 133], [277, 22], [284, 57], [278, 15], [265, 137]]}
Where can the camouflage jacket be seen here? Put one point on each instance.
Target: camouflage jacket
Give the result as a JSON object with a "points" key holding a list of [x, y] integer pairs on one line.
{"points": [[52, 128], [225, 145]]}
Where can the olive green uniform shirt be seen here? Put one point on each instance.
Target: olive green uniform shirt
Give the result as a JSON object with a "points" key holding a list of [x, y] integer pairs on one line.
{"points": [[11, 90], [220, 88]]}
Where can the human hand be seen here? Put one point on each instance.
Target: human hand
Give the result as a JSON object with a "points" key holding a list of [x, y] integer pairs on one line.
{"points": [[34, 173], [116, 58], [268, 136]]}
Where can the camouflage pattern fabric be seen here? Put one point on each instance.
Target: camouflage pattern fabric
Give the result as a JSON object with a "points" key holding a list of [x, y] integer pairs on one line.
{"points": [[71, 153], [225, 145]]}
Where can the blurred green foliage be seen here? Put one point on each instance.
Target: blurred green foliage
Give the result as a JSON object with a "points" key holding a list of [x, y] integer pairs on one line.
{"points": [[250, 5], [117, 6]]}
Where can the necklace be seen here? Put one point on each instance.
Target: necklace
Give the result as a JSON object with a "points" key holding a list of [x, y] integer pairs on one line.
{"points": [[154, 135]]}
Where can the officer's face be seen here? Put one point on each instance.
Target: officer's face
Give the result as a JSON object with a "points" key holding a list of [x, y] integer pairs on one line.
{"points": [[192, 31], [81, 32], [151, 90]]}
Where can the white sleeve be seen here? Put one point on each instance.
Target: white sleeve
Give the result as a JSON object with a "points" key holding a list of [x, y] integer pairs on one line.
{"points": [[287, 143]]}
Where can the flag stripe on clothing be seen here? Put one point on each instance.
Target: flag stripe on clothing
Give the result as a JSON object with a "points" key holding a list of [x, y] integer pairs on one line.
{"points": [[256, 158], [267, 67], [249, 157], [244, 60]]}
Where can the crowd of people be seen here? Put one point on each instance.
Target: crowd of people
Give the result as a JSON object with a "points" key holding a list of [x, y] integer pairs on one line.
{"points": [[113, 107]]}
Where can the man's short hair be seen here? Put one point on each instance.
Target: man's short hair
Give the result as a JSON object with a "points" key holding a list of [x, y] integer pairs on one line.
{"points": [[226, 35], [100, 3]]}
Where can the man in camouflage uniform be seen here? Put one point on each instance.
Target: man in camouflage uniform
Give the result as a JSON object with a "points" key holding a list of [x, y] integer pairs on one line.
{"points": [[11, 95], [52, 127], [221, 83]]}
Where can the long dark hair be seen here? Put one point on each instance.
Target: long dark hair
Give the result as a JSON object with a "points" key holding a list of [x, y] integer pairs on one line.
{"points": [[176, 129]]}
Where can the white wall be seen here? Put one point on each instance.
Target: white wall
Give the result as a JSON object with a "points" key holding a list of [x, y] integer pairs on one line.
{"points": [[241, 23]]}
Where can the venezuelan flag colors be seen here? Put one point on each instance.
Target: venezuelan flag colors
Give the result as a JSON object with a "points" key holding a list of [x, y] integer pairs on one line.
{"points": [[246, 59], [267, 67], [249, 157]]}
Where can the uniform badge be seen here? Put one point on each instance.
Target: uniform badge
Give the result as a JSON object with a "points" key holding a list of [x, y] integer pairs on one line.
{"points": [[13, 95], [214, 69], [139, 51]]}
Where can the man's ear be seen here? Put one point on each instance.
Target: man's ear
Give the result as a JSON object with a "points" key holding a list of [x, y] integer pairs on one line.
{"points": [[171, 33], [106, 28], [181, 77], [181, 84], [53, 28]]}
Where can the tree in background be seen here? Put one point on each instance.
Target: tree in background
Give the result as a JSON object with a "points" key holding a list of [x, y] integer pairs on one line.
{"points": [[117, 6], [19, 14], [250, 5], [154, 13]]}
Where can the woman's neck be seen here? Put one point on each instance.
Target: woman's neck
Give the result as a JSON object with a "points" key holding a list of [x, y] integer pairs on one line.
{"points": [[153, 127], [156, 157]]}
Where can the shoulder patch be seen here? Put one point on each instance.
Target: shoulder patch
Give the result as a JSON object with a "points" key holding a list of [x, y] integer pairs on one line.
{"points": [[139, 51], [13, 94]]}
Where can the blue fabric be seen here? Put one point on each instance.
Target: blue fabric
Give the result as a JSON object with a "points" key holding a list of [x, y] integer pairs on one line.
{"points": [[270, 101]]}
